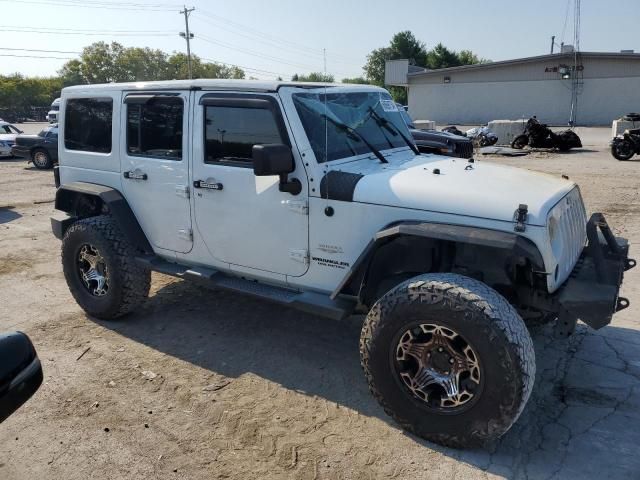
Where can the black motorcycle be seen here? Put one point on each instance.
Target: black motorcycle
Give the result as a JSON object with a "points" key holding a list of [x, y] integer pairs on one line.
{"points": [[539, 135], [625, 146]]}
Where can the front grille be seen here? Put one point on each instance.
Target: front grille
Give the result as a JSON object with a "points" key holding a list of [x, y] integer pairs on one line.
{"points": [[572, 231], [463, 149]]}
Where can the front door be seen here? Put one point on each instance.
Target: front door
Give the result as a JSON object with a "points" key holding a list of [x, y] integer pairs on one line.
{"points": [[245, 220], [155, 166]]}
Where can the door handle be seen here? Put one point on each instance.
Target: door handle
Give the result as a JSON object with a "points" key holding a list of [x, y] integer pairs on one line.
{"points": [[136, 175], [207, 185]]}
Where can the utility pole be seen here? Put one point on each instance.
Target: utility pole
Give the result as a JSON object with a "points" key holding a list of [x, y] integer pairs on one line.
{"points": [[553, 41], [187, 35]]}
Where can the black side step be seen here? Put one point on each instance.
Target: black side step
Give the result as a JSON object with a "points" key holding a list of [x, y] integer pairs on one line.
{"points": [[311, 302]]}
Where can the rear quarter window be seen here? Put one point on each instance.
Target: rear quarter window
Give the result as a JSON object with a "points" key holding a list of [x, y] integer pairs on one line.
{"points": [[88, 124]]}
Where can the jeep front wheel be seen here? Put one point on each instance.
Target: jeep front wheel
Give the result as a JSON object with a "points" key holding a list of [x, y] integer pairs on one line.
{"points": [[99, 266], [448, 358]]}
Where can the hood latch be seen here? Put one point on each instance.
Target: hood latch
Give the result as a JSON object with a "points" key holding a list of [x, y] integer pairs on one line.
{"points": [[520, 217]]}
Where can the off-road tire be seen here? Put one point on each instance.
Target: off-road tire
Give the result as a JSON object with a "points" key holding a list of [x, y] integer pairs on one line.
{"points": [[128, 282], [41, 159], [520, 142], [486, 320]]}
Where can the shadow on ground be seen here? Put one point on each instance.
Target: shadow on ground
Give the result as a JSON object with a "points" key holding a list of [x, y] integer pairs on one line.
{"points": [[580, 422], [7, 214]]}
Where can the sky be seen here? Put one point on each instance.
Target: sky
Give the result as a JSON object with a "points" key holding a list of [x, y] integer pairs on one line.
{"points": [[271, 38]]}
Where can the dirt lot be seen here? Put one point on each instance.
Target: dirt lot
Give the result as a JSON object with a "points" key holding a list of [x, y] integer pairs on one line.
{"points": [[205, 384]]}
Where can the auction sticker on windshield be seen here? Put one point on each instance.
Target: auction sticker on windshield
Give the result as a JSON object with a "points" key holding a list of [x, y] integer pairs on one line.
{"points": [[388, 105]]}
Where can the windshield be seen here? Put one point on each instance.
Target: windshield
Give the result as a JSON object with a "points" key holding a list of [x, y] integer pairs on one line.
{"points": [[52, 130], [360, 111]]}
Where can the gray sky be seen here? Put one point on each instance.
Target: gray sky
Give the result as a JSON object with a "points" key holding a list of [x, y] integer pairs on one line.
{"points": [[281, 37]]}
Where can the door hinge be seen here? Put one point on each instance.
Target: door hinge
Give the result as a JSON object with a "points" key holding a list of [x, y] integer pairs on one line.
{"points": [[298, 206], [186, 234], [182, 191], [301, 256]]}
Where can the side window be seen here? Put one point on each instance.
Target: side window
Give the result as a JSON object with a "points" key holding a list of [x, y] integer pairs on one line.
{"points": [[231, 132], [154, 129], [87, 125]]}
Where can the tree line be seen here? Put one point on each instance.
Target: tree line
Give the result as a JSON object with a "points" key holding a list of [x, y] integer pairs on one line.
{"points": [[104, 62]]}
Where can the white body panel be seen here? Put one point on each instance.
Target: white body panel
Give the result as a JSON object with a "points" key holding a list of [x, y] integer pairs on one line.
{"points": [[161, 202], [249, 229]]}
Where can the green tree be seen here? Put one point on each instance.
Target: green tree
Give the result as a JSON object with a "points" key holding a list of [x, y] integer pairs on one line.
{"points": [[104, 63], [356, 80], [18, 94], [404, 45], [313, 77]]}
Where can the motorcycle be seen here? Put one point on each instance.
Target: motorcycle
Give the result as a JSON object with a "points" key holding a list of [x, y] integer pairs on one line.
{"points": [[480, 136], [625, 146], [539, 135]]}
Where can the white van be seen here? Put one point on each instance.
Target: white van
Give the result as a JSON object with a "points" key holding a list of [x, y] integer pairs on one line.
{"points": [[52, 116]]}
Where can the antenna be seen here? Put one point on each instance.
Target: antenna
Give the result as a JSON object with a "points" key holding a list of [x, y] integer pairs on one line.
{"points": [[553, 41], [187, 35]]}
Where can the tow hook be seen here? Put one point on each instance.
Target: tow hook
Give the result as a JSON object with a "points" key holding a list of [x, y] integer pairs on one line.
{"points": [[520, 217]]}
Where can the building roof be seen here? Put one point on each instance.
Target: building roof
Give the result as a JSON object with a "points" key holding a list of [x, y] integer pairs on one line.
{"points": [[517, 61]]}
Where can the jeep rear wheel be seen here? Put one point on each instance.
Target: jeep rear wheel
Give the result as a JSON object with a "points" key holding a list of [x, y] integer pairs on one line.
{"points": [[99, 266], [448, 358]]}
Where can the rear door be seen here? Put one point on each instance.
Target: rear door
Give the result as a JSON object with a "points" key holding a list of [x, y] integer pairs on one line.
{"points": [[155, 166]]}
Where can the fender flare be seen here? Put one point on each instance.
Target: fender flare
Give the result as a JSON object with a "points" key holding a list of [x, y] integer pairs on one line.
{"points": [[506, 241], [119, 209]]}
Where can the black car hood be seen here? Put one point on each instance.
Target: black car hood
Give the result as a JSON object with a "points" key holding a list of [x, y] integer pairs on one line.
{"points": [[23, 139], [436, 135]]}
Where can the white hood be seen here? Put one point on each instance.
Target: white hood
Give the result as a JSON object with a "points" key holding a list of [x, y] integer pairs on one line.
{"points": [[481, 189]]}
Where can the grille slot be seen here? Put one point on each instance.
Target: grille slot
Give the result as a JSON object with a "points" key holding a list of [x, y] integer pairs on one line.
{"points": [[572, 225]]}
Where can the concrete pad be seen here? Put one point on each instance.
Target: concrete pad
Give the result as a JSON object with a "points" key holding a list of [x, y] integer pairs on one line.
{"points": [[507, 130], [425, 124], [619, 126]]}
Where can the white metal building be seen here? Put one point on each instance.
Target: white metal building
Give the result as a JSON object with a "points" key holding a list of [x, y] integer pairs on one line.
{"points": [[606, 85]]}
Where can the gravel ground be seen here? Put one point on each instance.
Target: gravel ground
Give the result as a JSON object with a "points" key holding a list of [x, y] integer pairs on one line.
{"points": [[206, 384]]}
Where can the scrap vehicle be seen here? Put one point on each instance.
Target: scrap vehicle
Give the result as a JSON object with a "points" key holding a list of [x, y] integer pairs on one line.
{"points": [[40, 149], [434, 141], [626, 145], [314, 196], [539, 135], [8, 134]]}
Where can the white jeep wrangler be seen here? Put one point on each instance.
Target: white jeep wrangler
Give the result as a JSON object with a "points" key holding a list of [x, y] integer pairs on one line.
{"points": [[315, 197]]}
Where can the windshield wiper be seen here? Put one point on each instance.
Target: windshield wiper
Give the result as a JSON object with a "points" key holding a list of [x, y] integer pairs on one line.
{"points": [[384, 123], [353, 131]]}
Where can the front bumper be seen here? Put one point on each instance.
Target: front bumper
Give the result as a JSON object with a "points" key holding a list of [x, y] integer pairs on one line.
{"points": [[591, 293], [19, 151]]}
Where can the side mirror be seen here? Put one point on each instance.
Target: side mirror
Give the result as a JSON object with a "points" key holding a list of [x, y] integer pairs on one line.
{"points": [[20, 372], [276, 159]]}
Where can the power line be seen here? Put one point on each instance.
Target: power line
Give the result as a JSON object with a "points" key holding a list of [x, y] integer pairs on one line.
{"points": [[37, 50], [89, 33], [108, 6], [249, 52], [34, 56], [227, 23]]}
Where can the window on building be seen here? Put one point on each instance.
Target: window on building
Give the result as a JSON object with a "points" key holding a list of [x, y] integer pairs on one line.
{"points": [[88, 123], [231, 132], [154, 129]]}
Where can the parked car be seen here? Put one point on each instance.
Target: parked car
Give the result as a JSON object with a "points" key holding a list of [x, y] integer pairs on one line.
{"points": [[41, 149], [52, 116], [20, 372], [434, 141], [318, 199], [8, 135]]}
